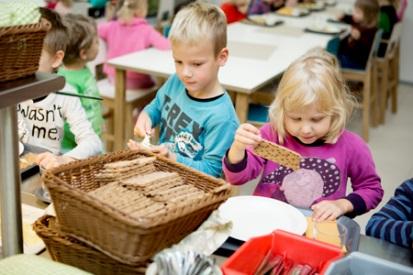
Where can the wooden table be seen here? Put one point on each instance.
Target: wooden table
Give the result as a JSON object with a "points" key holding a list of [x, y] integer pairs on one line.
{"points": [[257, 55]]}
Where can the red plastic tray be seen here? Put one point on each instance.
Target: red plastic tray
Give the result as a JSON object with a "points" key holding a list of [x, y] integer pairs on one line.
{"points": [[299, 249]]}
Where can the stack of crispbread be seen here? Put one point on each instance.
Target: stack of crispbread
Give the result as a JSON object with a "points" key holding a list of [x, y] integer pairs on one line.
{"points": [[137, 189], [119, 170]]}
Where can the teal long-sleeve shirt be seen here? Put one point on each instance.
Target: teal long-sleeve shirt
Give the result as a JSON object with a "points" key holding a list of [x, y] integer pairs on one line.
{"points": [[198, 131]]}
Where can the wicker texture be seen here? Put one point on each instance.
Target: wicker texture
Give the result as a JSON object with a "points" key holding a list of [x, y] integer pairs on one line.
{"points": [[20, 49], [119, 235], [68, 250]]}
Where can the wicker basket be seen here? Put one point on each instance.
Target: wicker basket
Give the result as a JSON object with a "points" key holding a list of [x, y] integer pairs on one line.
{"points": [[67, 250], [116, 234], [20, 49]]}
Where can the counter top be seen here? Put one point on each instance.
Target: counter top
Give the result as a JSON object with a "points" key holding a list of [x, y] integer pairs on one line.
{"points": [[37, 85]]}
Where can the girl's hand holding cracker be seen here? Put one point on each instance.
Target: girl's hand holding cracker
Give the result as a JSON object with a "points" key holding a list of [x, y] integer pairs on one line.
{"points": [[331, 210], [48, 160], [246, 135]]}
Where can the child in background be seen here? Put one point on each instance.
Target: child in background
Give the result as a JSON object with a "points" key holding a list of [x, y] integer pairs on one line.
{"points": [[394, 222], [82, 48], [308, 116], [265, 6], [131, 33], [235, 10], [388, 17], [63, 7], [41, 120], [354, 49], [196, 116]]}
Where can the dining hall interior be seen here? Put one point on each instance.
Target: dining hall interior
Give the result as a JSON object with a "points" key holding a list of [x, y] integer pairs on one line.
{"points": [[89, 185]]}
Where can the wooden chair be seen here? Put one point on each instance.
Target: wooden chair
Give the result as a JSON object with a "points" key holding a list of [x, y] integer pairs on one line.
{"points": [[369, 90], [138, 98], [388, 72], [134, 99]]}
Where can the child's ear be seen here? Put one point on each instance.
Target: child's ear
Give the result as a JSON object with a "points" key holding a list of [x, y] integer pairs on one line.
{"points": [[58, 59], [223, 56], [83, 54]]}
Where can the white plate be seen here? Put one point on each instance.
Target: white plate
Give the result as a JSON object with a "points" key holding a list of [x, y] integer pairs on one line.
{"points": [[254, 216], [21, 148]]}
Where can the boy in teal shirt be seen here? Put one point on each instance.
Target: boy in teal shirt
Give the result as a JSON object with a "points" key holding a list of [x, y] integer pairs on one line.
{"points": [[82, 48], [196, 116]]}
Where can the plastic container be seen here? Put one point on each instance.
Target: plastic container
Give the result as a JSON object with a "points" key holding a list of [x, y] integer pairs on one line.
{"points": [[348, 228], [294, 247], [359, 263]]}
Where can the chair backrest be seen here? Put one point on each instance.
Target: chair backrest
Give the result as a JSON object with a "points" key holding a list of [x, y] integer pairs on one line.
{"points": [[165, 10], [394, 40], [374, 48]]}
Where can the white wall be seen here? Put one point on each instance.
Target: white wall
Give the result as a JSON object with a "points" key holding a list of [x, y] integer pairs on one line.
{"points": [[406, 55]]}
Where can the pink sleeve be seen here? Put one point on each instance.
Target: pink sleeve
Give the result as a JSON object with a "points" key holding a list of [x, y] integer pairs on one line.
{"points": [[250, 167], [362, 171], [103, 30], [158, 41]]}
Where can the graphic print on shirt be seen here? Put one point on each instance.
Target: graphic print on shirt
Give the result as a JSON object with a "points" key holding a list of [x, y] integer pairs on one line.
{"points": [[43, 120], [316, 178], [181, 131]]}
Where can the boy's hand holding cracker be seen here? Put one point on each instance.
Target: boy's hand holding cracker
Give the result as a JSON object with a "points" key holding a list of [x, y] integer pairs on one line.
{"points": [[143, 125]]}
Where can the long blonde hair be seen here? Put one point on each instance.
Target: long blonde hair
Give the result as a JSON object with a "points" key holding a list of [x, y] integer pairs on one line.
{"points": [[197, 22], [314, 78], [130, 9]]}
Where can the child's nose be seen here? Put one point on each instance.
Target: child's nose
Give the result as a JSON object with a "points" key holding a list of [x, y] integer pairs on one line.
{"points": [[306, 128], [187, 71]]}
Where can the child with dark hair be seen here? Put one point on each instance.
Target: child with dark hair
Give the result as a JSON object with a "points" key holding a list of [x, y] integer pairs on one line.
{"points": [[394, 222], [41, 120], [82, 47], [355, 48]]}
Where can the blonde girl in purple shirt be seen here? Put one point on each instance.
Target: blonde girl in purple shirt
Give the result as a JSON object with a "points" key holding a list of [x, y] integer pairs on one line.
{"points": [[130, 32], [308, 115]]}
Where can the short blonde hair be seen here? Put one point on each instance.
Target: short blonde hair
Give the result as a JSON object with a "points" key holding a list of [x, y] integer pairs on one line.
{"points": [[314, 78], [199, 21]]}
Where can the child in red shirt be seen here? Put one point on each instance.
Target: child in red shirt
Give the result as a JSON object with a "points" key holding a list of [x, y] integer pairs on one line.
{"points": [[235, 10]]}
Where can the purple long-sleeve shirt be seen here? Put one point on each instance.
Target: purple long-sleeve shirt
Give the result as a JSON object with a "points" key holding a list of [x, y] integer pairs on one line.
{"points": [[323, 173]]}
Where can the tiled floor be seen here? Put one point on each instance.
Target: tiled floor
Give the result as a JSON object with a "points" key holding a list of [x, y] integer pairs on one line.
{"points": [[391, 145]]}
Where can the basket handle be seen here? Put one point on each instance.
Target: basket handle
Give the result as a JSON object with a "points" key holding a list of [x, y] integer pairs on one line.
{"points": [[222, 188]]}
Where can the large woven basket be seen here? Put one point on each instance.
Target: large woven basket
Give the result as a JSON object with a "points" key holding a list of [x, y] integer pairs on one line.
{"points": [[68, 250], [20, 49], [129, 240]]}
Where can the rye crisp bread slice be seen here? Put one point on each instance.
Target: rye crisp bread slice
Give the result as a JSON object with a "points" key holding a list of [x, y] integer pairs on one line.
{"points": [[278, 154]]}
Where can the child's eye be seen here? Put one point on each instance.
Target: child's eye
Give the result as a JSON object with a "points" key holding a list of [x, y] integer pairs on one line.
{"points": [[178, 62], [317, 119], [197, 64], [296, 118]]}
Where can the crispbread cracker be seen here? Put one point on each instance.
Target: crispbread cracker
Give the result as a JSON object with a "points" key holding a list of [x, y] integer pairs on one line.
{"points": [[278, 154]]}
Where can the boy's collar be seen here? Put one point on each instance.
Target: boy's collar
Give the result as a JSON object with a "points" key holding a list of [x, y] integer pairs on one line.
{"points": [[203, 99]]}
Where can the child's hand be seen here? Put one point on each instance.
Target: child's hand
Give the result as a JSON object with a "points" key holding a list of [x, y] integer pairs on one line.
{"points": [[355, 33], [246, 135], [48, 160], [143, 125], [331, 210], [163, 150], [136, 146]]}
